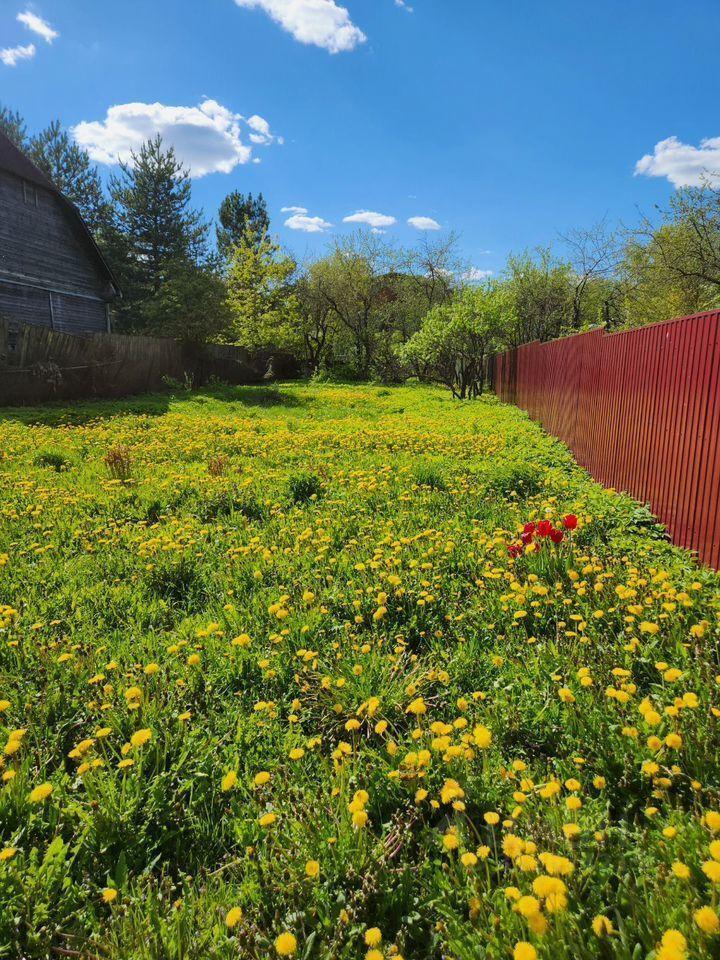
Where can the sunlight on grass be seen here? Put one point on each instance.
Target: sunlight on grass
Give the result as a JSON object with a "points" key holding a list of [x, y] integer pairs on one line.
{"points": [[345, 672]]}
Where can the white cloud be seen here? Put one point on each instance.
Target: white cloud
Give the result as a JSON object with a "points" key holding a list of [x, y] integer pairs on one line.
{"points": [[293, 210], [39, 26], [206, 138], [261, 134], [405, 6], [319, 22], [475, 275], [306, 224], [370, 218], [424, 223], [683, 164], [11, 56]]}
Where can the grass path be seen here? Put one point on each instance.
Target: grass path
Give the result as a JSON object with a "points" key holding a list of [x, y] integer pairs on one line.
{"points": [[345, 672]]}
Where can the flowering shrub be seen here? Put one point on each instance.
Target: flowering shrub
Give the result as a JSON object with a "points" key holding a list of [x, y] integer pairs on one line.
{"points": [[254, 713]]}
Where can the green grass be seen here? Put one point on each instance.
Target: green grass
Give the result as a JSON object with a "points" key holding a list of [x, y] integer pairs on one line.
{"points": [[316, 583]]}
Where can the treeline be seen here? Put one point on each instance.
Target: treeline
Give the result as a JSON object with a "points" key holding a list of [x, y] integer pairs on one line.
{"points": [[367, 307]]}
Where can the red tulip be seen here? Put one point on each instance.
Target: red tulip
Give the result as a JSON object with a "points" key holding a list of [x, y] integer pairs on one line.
{"points": [[570, 521], [526, 538], [544, 528], [514, 550], [529, 528], [557, 536]]}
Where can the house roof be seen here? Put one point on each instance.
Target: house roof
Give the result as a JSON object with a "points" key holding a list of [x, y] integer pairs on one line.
{"points": [[15, 161]]}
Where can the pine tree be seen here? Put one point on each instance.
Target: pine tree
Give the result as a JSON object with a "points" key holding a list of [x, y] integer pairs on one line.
{"points": [[13, 126], [156, 232], [71, 170], [238, 212]]}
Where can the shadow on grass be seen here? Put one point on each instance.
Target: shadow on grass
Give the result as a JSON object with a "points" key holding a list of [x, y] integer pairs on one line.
{"points": [[255, 396], [60, 413]]}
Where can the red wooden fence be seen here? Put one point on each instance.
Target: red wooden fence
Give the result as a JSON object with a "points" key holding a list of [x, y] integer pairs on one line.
{"points": [[641, 412]]}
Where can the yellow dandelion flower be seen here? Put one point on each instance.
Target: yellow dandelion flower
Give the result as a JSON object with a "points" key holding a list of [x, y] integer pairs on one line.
{"points": [[286, 945]]}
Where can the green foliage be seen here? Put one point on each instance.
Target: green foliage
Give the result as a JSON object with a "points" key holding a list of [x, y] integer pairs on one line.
{"points": [[191, 305], [159, 634], [454, 340], [262, 304], [430, 476], [303, 487], [238, 214], [514, 480], [541, 290], [13, 125], [52, 458], [156, 234], [73, 173]]}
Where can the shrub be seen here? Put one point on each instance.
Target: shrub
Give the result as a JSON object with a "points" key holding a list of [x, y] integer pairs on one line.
{"points": [[303, 487], [54, 459]]}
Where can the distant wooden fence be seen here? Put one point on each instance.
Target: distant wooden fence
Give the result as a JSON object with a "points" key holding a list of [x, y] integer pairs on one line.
{"points": [[641, 412], [39, 364]]}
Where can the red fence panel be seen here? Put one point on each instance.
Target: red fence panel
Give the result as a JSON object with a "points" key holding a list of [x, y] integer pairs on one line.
{"points": [[640, 410]]}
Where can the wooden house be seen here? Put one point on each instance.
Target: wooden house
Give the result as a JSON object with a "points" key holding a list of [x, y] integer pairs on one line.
{"points": [[52, 273]]}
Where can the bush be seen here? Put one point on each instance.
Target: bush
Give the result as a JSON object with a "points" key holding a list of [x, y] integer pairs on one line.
{"points": [[54, 459], [303, 487]]}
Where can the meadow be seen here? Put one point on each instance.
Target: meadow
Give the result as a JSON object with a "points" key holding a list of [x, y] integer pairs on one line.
{"points": [[345, 672]]}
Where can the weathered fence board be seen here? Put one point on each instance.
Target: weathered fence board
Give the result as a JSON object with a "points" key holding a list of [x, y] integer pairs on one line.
{"points": [[39, 364], [640, 410]]}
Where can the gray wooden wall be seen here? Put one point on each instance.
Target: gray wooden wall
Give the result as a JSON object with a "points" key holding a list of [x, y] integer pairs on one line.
{"points": [[42, 246]]}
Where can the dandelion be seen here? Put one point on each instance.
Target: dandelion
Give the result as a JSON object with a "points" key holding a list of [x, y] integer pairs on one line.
{"points": [[233, 917], [141, 737], [602, 926], [482, 737], [312, 869], [229, 781], [109, 894], [707, 920], [450, 841], [286, 945], [418, 707], [524, 951], [41, 793]]}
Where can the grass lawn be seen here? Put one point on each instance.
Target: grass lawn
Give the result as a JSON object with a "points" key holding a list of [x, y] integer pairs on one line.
{"points": [[279, 677]]}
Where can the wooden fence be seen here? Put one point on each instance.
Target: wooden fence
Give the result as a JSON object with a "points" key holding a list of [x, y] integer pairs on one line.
{"points": [[39, 364], [641, 412]]}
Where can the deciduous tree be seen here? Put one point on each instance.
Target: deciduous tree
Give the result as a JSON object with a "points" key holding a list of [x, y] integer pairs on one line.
{"points": [[262, 303]]}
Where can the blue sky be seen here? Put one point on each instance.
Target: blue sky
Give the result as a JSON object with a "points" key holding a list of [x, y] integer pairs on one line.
{"points": [[508, 121]]}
